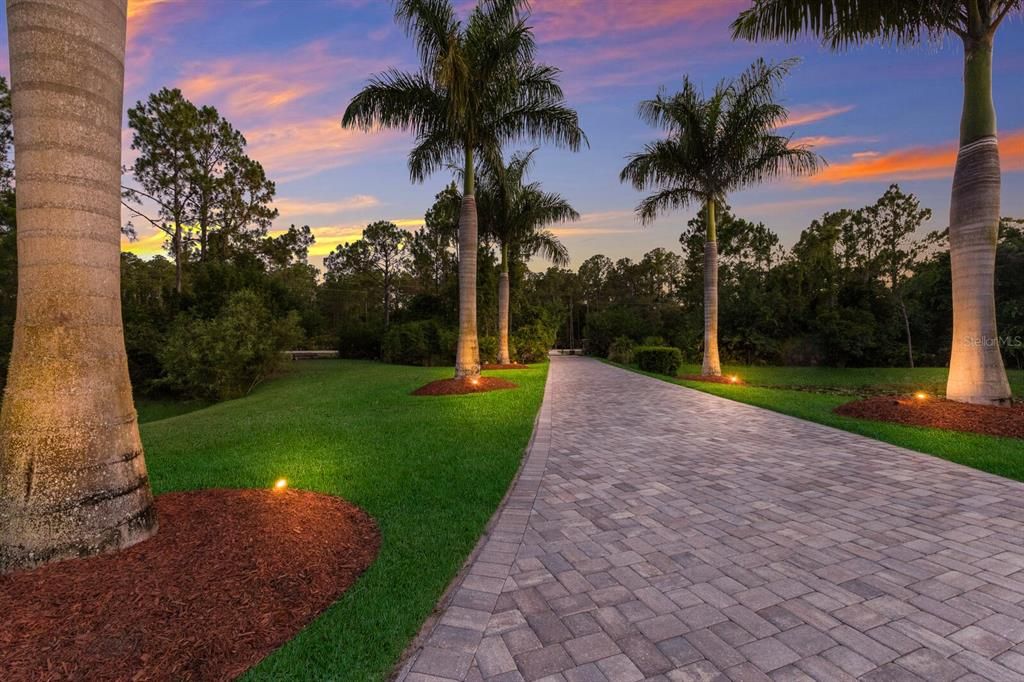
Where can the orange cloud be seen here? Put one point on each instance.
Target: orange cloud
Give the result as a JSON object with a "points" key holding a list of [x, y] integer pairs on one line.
{"points": [[300, 207], [260, 83], [297, 149], [916, 163], [820, 141], [804, 115]]}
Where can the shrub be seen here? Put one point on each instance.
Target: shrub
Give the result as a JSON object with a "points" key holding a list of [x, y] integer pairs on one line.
{"points": [[359, 341], [621, 350], [533, 342], [425, 343], [659, 359], [225, 357], [488, 349]]}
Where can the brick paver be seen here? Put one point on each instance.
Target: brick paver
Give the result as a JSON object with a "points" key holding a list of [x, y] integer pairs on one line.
{"points": [[662, 533]]}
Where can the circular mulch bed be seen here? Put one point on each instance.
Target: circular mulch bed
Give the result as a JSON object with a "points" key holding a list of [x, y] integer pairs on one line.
{"points": [[230, 576], [940, 414], [514, 365], [463, 386], [732, 380]]}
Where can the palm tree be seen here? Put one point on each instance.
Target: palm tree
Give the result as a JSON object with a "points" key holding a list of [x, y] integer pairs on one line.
{"points": [[72, 475], [715, 145], [515, 216], [477, 89], [976, 372]]}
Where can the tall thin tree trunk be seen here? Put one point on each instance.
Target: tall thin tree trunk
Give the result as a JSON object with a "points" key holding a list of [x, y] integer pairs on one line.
{"points": [[72, 475], [976, 372], [906, 326], [177, 257], [504, 357], [467, 353], [711, 366]]}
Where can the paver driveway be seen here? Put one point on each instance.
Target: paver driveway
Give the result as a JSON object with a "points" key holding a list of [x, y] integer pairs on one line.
{"points": [[659, 532]]}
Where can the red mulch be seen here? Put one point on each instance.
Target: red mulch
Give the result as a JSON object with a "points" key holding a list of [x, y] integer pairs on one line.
{"points": [[514, 365], [712, 379], [940, 414], [463, 386], [230, 576]]}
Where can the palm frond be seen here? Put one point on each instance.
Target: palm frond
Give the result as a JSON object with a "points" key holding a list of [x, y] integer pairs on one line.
{"points": [[431, 24], [843, 23]]}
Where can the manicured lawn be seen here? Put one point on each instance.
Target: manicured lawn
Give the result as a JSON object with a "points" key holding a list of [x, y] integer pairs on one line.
{"points": [[431, 471], [855, 380], [1002, 456], [154, 410]]}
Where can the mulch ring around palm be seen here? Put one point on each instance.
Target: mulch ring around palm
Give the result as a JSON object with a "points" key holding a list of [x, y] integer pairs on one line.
{"points": [[513, 365], [940, 414], [707, 378], [463, 386], [230, 576]]}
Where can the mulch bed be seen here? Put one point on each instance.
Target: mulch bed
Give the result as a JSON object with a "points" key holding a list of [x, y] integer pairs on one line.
{"points": [[230, 576], [712, 379], [462, 386], [940, 414], [514, 365]]}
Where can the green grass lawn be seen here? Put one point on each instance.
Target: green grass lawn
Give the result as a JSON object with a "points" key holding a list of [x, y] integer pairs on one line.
{"points": [[833, 387], [430, 470]]}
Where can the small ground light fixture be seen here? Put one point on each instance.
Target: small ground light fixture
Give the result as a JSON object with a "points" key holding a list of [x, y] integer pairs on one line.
{"points": [[734, 379], [921, 395], [281, 484]]}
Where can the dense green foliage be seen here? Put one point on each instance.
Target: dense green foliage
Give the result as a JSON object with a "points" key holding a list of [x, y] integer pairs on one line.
{"points": [[658, 359], [431, 471], [812, 394], [846, 294]]}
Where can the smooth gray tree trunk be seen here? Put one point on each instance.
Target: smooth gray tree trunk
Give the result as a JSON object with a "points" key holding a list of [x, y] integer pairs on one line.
{"points": [[72, 475]]}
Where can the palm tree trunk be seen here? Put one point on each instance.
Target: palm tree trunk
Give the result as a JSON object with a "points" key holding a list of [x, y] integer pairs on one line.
{"points": [[467, 353], [711, 366], [72, 475], [504, 357], [976, 372]]}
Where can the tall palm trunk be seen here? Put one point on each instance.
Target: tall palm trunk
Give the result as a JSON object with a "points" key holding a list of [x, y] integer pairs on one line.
{"points": [[976, 372], [504, 357], [467, 353], [72, 476], [711, 366]]}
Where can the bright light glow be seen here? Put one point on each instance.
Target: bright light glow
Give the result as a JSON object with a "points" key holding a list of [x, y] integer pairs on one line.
{"points": [[921, 395], [474, 380], [734, 379], [281, 484]]}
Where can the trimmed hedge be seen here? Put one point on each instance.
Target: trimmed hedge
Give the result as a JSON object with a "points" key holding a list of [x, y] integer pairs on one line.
{"points": [[659, 359]]}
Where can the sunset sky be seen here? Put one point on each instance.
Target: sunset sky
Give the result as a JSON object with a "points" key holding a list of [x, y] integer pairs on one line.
{"points": [[283, 71]]}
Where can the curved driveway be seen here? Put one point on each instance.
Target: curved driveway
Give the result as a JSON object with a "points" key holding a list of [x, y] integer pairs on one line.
{"points": [[662, 533]]}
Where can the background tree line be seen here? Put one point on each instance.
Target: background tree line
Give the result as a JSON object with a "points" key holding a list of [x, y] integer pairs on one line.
{"points": [[209, 318], [859, 288]]}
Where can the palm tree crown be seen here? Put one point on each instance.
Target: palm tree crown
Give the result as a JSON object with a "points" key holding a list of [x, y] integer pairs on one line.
{"points": [[478, 87], [515, 213], [716, 145]]}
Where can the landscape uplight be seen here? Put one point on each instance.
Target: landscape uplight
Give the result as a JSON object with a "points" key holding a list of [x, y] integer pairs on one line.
{"points": [[734, 379], [281, 484], [921, 395]]}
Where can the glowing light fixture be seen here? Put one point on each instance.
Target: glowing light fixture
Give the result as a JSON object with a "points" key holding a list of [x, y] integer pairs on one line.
{"points": [[921, 395], [734, 379], [281, 484]]}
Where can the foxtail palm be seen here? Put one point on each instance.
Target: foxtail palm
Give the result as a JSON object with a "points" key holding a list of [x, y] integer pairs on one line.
{"points": [[515, 215], [976, 371], [477, 89], [715, 145], [72, 476]]}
